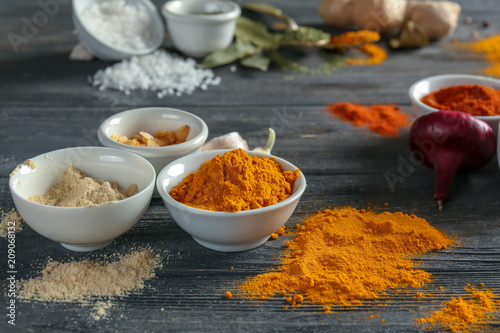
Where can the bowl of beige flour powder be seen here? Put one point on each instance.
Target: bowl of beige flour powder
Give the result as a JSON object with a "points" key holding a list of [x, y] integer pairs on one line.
{"points": [[83, 197]]}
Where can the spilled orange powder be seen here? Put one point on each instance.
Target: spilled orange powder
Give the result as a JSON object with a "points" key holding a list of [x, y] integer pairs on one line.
{"points": [[490, 47], [345, 255], [384, 119], [463, 315], [374, 55]]}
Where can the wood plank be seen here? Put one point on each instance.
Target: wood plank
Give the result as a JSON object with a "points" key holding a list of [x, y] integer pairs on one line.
{"points": [[48, 104]]}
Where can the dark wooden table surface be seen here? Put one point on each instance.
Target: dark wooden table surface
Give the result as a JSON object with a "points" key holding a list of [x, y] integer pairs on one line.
{"points": [[46, 103]]}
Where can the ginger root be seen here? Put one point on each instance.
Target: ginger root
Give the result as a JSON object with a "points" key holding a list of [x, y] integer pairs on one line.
{"points": [[379, 15], [436, 18], [336, 12]]}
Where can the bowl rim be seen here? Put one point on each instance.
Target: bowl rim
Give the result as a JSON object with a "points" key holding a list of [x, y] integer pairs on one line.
{"points": [[178, 148], [152, 182], [166, 196], [152, 13], [437, 78], [234, 12]]}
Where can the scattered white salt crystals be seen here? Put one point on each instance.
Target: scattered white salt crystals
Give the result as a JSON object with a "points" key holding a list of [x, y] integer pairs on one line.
{"points": [[159, 71], [120, 23]]}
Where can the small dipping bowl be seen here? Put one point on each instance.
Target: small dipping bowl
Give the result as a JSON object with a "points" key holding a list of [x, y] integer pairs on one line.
{"points": [[128, 123], [83, 228], [226, 231], [430, 84], [198, 27], [109, 52]]}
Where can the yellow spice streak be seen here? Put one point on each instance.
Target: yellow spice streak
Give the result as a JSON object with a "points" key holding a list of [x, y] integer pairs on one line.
{"points": [[463, 315], [374, 55], [355, 38], [490, 47], [345, 255]]}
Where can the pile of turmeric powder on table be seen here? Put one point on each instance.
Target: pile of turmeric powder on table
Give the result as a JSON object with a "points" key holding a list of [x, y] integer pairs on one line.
{"points": [[355, 38], [490, 47], [361, 43], [384, 119], [341, 256], [234, 182], [462, 314]]}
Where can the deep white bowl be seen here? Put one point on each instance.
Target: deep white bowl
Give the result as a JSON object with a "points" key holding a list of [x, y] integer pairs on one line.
{"points": [[225, 231], [105, 51], [425, 86], [196, 34], [83, 228], [150, 120]]}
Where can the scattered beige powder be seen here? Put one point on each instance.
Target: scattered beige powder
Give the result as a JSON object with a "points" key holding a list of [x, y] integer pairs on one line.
{"points": [[101, 310], [29, 163], [10, 220], [78, 190], [77, 281]]}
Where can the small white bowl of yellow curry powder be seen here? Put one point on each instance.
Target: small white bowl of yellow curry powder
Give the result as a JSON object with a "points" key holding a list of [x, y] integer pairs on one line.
{"points": [[231, 200], [83, 197]]}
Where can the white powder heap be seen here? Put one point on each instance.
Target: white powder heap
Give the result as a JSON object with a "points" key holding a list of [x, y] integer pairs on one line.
{"points": [[120, 24], [158, 71]]}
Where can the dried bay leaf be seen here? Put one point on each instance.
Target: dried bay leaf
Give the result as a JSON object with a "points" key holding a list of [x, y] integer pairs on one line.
{"points": [[257, 60], [238, 50], [256, 33], [305, 35]]}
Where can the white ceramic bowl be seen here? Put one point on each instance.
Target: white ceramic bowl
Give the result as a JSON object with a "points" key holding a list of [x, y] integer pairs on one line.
{"points": [[225, 231], [83, 228], [105, 51], [150, 120], [198, 27], [425, 86]]}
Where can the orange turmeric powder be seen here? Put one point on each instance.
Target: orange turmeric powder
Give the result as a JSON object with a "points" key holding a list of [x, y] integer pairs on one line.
{"points": [[373, 53], [463, 315], [341, 256], [234, 182], [353, 38], [277, 233], [384, 119], [490, 47]]}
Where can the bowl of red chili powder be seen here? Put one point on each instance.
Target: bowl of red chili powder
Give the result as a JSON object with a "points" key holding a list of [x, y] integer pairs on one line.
{"points": [[473, 94]]}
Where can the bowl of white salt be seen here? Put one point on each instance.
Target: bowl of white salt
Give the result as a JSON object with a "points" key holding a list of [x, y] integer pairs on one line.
{"points": [[83, 197], [118, 29], [198, 27]]}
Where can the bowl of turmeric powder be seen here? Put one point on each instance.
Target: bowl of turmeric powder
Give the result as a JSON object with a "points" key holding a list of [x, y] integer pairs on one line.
{"points": [[83, 197], [473, 94], [231, 200]]}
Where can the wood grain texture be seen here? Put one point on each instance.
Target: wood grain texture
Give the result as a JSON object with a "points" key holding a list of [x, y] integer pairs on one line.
{"points": [[47, 104]]}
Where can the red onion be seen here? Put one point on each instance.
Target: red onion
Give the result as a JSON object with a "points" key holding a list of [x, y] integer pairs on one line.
{"points": [[448, 141]]}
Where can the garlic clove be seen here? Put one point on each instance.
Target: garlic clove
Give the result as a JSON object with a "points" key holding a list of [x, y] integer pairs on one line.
{"points": [[412, 35], [269, 145], [231, 140]]}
